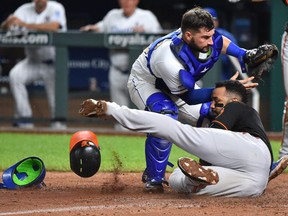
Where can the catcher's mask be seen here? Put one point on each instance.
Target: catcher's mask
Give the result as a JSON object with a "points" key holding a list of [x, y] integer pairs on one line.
{"points": [[85, 158], [26, 173]]}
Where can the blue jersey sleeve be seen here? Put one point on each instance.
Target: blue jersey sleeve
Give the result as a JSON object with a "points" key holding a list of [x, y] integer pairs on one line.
{"points": [[197, 96]]}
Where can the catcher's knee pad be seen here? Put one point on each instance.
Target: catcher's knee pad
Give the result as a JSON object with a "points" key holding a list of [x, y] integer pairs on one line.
{"points": [[162, 103], [85, 157], [157, 150]]}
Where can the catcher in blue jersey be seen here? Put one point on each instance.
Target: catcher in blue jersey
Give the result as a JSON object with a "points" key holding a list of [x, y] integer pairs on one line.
{"points": [[163, 78]]}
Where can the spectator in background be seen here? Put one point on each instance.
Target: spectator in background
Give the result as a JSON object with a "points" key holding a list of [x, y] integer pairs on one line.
{"points": [[38, 15], [126, 19], [226, 65], [284, 60]]}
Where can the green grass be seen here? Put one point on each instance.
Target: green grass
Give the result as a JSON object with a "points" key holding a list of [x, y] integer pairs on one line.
{"points": [[53, 149]]}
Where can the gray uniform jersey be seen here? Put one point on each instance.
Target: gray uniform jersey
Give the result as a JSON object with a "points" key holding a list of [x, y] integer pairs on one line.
{"points": [[53, 13]]}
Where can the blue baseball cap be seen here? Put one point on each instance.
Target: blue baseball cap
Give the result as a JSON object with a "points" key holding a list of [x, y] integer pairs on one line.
{"points": [[212, 11]]}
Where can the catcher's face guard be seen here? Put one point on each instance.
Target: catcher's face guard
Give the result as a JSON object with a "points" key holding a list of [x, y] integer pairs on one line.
{"points": [[85, 157]]}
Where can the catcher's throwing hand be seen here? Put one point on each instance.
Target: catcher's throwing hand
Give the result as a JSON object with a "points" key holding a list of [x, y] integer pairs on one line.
{"points": [[246, 82], [260, 60]]}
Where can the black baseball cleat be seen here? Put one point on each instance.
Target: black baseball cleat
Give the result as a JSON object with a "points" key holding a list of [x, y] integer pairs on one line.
{"points": [[278, 167], [153, 187], [93, 108], [145, 177], [196, 172]]}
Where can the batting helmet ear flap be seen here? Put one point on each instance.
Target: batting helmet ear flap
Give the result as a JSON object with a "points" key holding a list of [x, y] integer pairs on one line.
{"points": [[85, 157]]}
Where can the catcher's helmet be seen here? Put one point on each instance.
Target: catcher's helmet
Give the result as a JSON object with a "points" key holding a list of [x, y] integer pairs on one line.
{"points": [[85, 158], [26, 173]]}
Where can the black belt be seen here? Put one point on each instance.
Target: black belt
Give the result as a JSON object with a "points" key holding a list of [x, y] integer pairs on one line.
{"points": [[48, 62], [122, 71]]}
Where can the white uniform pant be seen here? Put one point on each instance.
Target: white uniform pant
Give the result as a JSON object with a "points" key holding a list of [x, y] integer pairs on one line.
{"points": [[284, 60], [141, 90], [118, 87], [24, 73], [118, 90], [241, 160]]}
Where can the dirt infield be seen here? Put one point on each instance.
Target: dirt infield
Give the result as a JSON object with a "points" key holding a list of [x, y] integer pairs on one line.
{"points": [[110, 194], [107, 194]]}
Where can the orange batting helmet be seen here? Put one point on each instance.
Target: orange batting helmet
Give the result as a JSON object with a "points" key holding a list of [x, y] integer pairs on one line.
{"points": [[85, 157]]}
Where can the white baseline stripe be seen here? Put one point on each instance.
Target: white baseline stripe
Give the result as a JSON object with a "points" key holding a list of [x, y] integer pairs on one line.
{"points": [[81, 208]]}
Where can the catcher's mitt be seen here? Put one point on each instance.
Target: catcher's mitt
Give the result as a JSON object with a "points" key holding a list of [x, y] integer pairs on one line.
{"points": [[260, 60]]}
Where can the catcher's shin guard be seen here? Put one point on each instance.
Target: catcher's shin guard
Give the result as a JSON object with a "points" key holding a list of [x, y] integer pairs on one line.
{"points": [[157, 150], [157, 153]]}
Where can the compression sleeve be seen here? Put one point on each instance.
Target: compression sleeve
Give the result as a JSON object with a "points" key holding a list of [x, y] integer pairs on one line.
{"points": [[235, 50], [197, 96]]}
